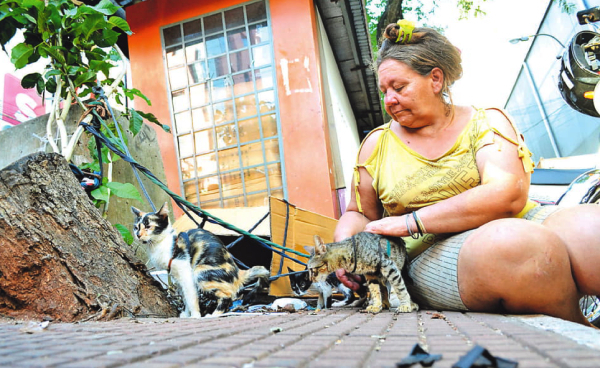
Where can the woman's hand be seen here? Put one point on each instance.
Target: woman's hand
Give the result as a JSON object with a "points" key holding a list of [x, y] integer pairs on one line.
{"points": [[391, 226], [350, 280]]}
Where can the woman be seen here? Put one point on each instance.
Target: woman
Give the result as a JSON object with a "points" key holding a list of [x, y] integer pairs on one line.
{"points": [[454, 181]]}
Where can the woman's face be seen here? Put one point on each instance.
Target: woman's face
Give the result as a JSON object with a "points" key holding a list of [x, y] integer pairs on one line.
{"points": [[407, 95]]}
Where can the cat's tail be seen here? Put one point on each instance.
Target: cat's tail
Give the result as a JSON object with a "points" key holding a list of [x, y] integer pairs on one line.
{"points": [[253, 279], [254, 274]]}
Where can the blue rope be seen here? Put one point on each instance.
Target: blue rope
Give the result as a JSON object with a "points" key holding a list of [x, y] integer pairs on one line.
{"points": [[178, 199]]}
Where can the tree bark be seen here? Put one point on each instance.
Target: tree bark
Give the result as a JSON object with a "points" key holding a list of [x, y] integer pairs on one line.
{"points": [[391, 14], [60, 258]]}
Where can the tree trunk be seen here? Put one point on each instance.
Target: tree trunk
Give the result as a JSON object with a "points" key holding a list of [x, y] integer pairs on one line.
{"points": [[60, 258], [391, 14]]}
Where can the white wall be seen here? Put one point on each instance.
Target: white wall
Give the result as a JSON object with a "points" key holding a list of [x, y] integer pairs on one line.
{"points": [[342, 124]]}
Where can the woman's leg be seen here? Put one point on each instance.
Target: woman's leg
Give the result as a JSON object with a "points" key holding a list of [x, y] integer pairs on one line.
{"points": [[518, 266], [579, 229]]}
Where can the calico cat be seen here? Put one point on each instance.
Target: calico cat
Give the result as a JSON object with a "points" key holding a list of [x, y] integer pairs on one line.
{"points": [[300, 283], [198, 261], [378, 258]]}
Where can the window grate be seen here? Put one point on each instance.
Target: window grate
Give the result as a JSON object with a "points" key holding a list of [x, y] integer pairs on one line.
{"points": [[222, 88]]}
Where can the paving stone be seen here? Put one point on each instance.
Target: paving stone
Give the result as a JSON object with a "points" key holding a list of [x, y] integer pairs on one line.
{"points": [[332, 338]]}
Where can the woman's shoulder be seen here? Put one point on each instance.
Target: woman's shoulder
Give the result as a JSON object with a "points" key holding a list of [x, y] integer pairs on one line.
{"points": [[499, 121], [369, 143]]}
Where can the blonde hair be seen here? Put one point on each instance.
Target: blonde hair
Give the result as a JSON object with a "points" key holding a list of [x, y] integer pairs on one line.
{"points": [[427, 49]]}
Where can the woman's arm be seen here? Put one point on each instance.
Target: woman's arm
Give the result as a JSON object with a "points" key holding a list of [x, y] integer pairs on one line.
{"points": [[502, 193]]}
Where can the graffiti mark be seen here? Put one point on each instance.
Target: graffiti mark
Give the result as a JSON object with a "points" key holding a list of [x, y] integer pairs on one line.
{"points": [[300, 70]]}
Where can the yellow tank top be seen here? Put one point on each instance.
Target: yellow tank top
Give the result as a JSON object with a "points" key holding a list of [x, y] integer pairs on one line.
{"points": [[424, 182]]}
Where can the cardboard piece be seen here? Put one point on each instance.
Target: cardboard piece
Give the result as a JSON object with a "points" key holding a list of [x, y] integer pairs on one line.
{"points": [[302, 226]]}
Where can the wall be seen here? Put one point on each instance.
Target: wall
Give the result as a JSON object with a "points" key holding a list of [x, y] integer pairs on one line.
{"points": [[342, 123], [306, 150]]}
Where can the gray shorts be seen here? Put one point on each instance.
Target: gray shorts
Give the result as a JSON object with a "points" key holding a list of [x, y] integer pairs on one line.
{"points": [[434, 273]]}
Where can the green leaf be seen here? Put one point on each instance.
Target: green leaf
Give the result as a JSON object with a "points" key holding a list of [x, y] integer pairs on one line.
{"points": [[40, 85], [100, 193], [70, 13], [88, 76], [106, 7], [85, 92], [121, 24], [32, 38], [51, 85], [30, 80], [131, 92], [54, 16], [124, 190], [151, 118], [8, 28], [85, 10], [52, 73], [30, 18], [125, 233], [20, 54], [107, 38], [136, 122], [95, 54], [102, 66], [55, 53], [91, 24], [39, 5], [74, 70]]}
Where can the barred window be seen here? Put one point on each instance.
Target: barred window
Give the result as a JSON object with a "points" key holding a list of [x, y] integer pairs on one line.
{"points": [[222, 89]]}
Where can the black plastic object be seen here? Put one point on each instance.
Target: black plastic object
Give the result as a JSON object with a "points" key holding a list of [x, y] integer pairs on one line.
{"points": [[590, 15], [418, 355], [87, 181], [479, 357], [579, 69]]}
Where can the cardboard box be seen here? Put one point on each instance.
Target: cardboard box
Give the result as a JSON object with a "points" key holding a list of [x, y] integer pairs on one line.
{"points": [[302, 226]]}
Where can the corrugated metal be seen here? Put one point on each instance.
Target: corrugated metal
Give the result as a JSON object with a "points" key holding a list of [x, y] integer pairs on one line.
{"points": [[346, 26]]}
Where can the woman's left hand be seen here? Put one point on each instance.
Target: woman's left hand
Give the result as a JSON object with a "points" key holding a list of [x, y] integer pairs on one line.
{"points": [[391, 226]]}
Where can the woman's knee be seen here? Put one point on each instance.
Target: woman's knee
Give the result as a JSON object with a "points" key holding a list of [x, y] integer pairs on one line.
{"points": [[579, 229], [509, 265]]}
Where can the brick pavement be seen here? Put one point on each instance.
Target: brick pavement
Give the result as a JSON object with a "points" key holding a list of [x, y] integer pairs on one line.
{"points": [[334, 338]]}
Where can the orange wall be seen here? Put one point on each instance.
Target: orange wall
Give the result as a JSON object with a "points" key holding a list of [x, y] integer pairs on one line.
{"points": [[307, 156]]}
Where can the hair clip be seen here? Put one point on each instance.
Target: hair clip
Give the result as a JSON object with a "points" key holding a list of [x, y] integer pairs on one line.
{"points": [[406, 29]]}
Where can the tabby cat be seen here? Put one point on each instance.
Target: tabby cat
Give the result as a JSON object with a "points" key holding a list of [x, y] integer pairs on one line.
{"points": [[300, 283], [198, 261], [378, 258]]}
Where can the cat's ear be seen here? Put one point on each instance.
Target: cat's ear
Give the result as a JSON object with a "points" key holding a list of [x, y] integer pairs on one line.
{"points": [[136, 212], [164, 210], [320, 247], [310, 250]]}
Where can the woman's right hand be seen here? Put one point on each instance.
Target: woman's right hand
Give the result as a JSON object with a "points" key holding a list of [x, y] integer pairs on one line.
{"points": [[350, 280]]}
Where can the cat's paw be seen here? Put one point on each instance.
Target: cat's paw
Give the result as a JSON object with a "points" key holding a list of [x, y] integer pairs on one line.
{"points": [[188, 314], [342, 303], [216, 313], [374, 309], [394, 300], [407, 307]]}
